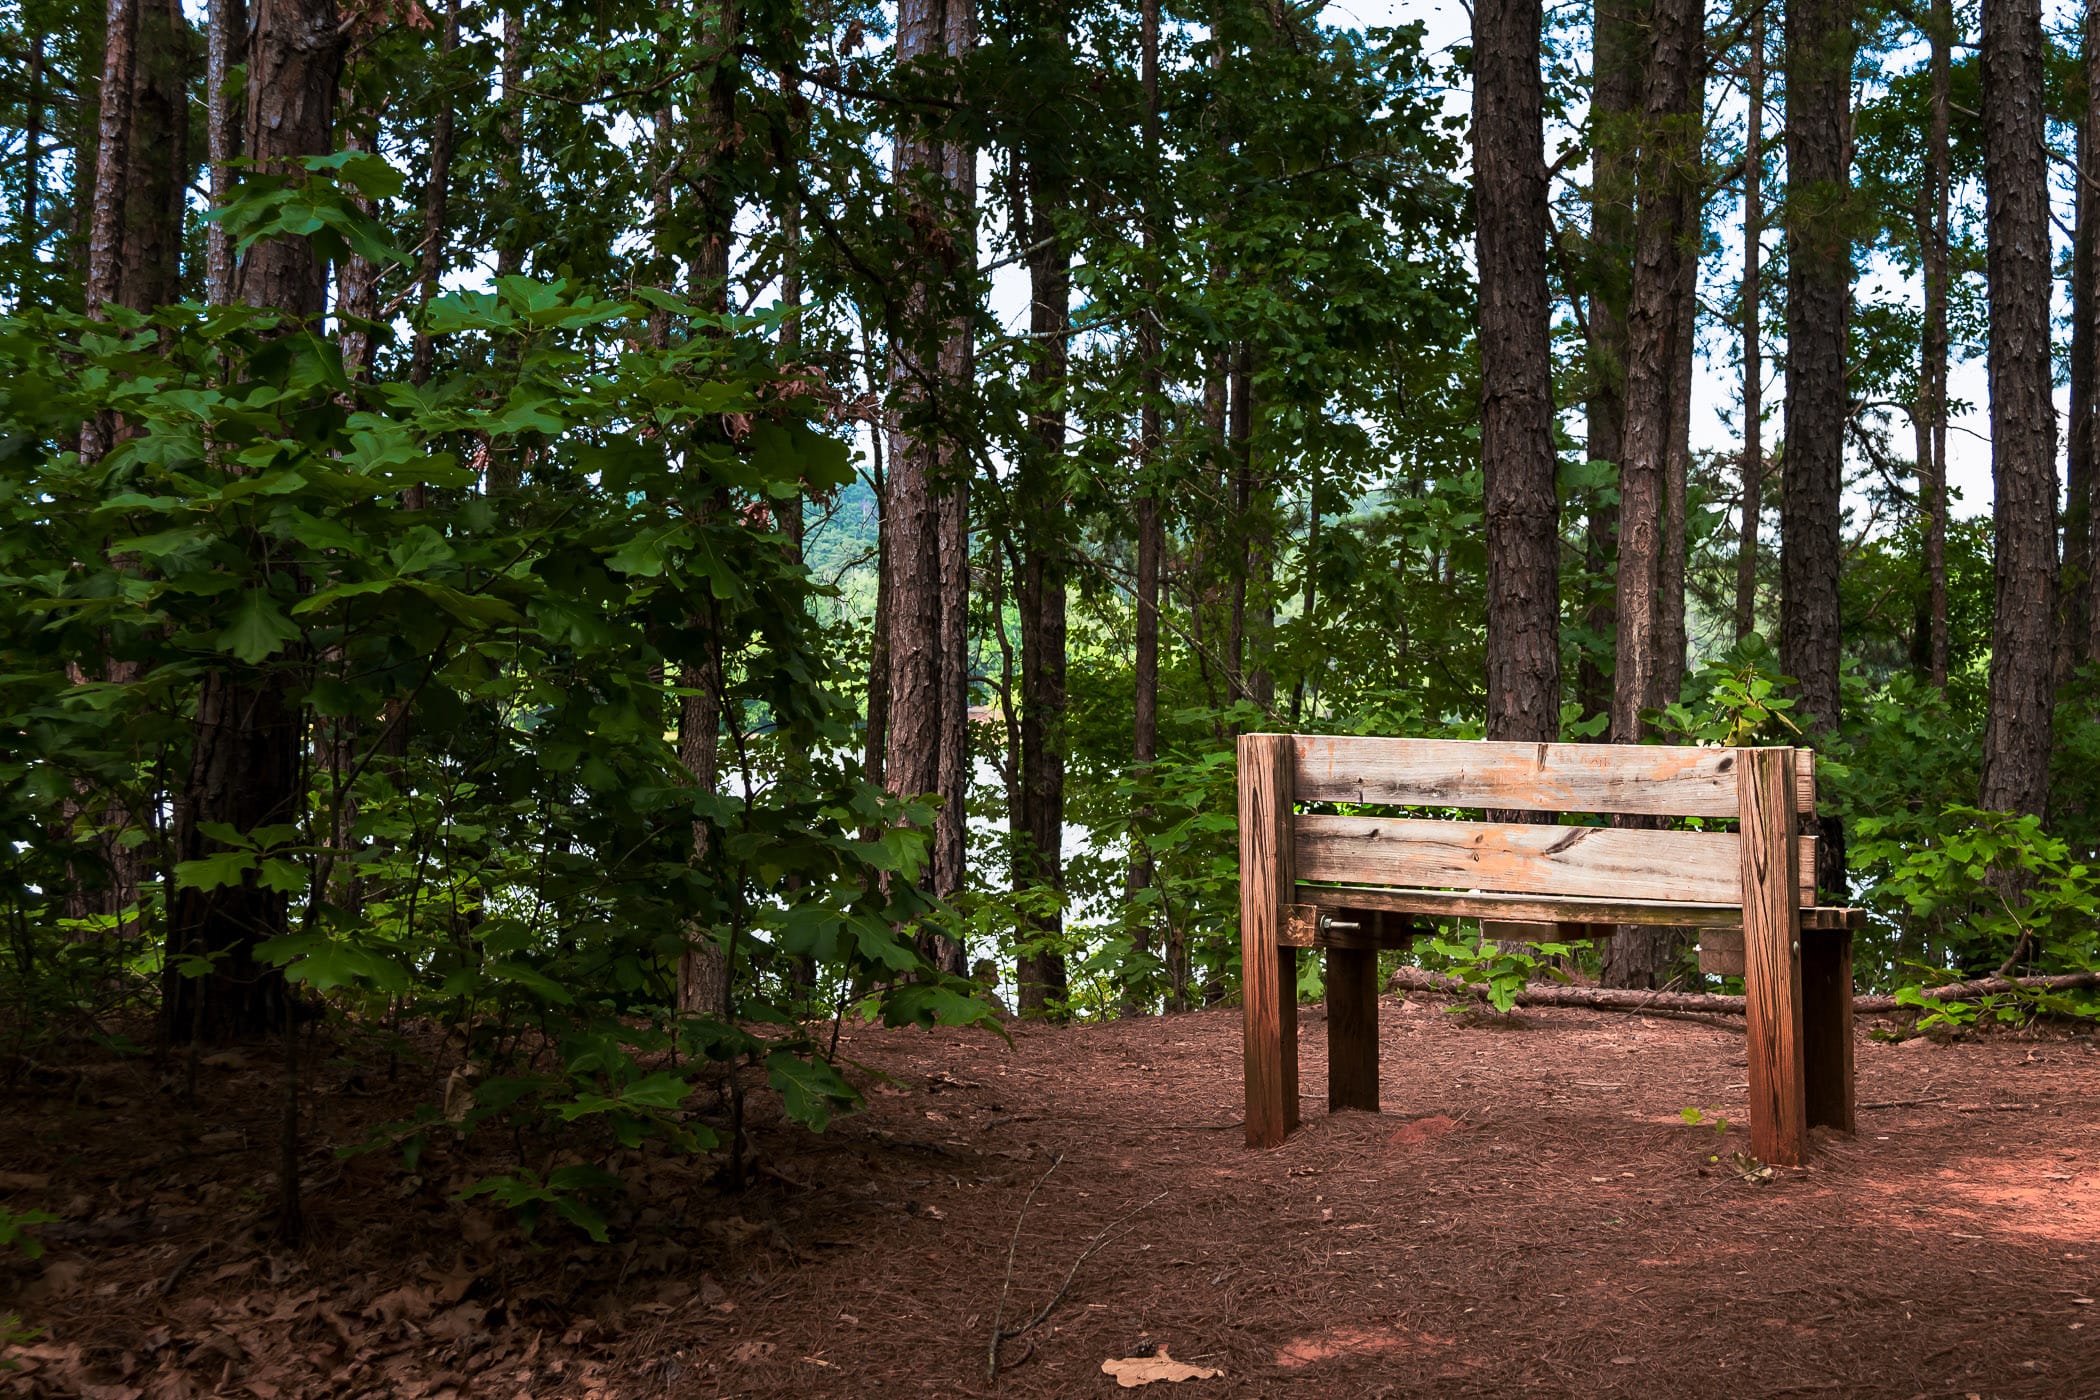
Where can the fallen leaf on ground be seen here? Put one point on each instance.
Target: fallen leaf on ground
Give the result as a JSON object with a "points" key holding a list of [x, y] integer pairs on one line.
{"points": [[1134, 1371]]}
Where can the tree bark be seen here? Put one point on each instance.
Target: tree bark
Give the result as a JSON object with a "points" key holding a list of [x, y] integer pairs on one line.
{"points": [[705, 977], [2016, 736], [1932, 442], [2072, 625], [1820, 42], [1040, 497], [1151, 530], [958, 370], [226, 49], [1614, 104], [30, 228], [2086, 426], [510, 161], [1753, 335], [1671, 133], [437, 193], [1518, 459], [1670, 141], [1671, 635], [927, 464], [245, 766]]}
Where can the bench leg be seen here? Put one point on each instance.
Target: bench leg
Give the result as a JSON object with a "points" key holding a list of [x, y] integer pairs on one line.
{"points": [[1268, 967], [1826, 1028], [1287, 1020], [1772, 958], [1352, 1029]]}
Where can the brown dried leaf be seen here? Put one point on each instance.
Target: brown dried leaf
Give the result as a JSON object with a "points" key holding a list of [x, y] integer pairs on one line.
{"points": [[1134, 1371]]}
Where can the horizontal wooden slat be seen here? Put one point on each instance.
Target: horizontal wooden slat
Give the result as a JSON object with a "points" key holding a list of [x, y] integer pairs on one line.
{"points": [[1631, 779], [1584, 862], [1443, 904]]}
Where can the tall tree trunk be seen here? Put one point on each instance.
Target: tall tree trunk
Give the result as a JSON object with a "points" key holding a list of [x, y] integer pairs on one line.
{"points": [[2016, 735], [245, 768], [2072, 625], [958, 370], [791, 522], [356, 278], [2088, 425], [1933, 236], [437, 193], [510, 160], [1516, 374], [1614, 102], [1671, 134], [1670, 630], [1250, 676], [225, 50], [1669, 142], [1040, 497], [704, 973], [30, 224], [1819, 47], [1753, 335], [1151, 531], [925, 604]]}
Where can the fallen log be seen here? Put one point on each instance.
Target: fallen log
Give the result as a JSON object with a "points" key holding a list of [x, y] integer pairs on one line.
{"points": [[1415, 979]]}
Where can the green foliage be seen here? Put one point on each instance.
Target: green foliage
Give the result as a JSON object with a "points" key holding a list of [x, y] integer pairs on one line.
{"points": [[16, 1228], [1499, 972]]}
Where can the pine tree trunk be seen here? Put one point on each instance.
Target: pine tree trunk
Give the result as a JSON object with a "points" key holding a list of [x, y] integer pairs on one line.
{"points": [[1819, 46], [2072, 626], [1040, 498], [1615, 99], [958, 369], [1932, 460], [924, 457], [1670, 631], [510, 160], [245, 767], [1753, 465], [1660, 246], [704, 972], [1151, 533], [1670, 134], [226, 50], [2088, 425], [1516, 374], [29, 226], [2016, 735], [437, 193]]}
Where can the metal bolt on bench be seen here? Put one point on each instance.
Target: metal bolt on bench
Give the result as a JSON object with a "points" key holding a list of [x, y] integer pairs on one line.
{"points": [[1350, 885]]}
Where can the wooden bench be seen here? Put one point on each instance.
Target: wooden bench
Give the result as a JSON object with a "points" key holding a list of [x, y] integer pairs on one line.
{"points": [[1352, 884]]}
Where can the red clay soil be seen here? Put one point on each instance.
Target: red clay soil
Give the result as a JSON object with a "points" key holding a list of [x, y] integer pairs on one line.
{"points": [[1531, 1213]]}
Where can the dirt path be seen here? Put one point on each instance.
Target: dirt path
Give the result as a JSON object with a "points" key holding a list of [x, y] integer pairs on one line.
{"points": [[1531, 1212]]}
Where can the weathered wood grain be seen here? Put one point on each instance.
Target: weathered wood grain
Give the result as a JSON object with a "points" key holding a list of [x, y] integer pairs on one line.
{"points": [[1448, 904], [1584, 862], [1266, 883], [1772, 959], [1651, 780]]}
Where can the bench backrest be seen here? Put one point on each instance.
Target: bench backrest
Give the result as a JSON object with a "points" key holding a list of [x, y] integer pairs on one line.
{"points": [[1497, 857]]}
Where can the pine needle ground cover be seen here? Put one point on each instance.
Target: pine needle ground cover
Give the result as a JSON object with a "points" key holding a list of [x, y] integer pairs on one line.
{"points": [[1531, 1175]]}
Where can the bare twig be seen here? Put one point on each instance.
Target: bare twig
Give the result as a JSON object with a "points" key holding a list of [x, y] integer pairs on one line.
{"points": [[999, 1314], [1093, 1245]]}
